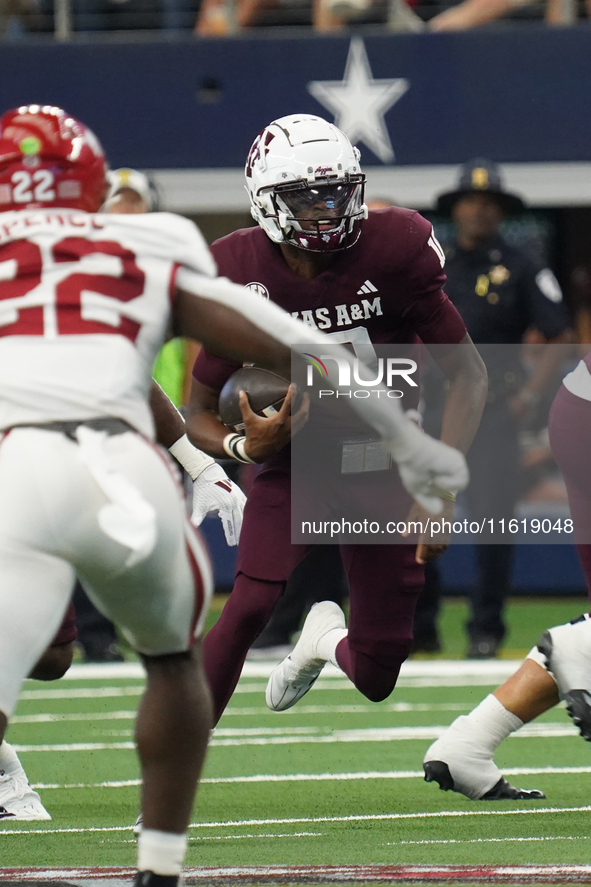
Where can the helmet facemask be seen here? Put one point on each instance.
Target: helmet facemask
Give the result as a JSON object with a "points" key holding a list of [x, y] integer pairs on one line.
{"points": [[321, 216]]}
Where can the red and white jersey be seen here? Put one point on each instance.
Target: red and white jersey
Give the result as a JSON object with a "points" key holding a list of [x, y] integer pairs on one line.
{"points": [[84, 307]]}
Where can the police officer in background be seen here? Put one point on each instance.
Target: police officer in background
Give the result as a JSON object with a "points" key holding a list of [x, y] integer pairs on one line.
{"points": [[500, 294]]}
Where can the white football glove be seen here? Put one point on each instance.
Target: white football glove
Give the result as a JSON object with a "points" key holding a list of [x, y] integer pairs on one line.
{"points": [[214, 491], [430, 470]]}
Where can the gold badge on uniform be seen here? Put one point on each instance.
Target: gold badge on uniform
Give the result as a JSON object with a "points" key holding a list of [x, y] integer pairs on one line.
{"points": [[498, 275], [480, 177]]}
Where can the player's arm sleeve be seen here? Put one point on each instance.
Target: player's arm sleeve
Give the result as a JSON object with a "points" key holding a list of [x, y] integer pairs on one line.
{"points": [[429, 311], [187, 246], [212, 370], [543, 301]]}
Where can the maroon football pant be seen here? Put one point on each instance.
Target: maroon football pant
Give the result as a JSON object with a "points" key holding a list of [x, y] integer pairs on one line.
{"points": [[570, 440], [384, 582]]}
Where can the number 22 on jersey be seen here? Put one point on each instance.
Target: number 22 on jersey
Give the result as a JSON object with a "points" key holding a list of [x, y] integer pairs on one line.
{"points": [[35, 300]]}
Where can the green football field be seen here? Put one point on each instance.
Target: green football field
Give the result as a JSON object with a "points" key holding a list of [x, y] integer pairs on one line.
{"points": [[335, 781]]}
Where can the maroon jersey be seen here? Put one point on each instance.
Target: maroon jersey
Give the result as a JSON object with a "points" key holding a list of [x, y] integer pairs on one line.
{"points": [[386, 289]]}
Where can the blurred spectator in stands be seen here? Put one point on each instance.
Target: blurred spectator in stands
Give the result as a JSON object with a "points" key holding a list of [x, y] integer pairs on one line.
{"points": [[19, 16], [472, 13], [217, 18], [500, 295], [221, 17]]}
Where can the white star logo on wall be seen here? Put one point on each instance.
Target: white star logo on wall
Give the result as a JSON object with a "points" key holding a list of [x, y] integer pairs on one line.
{"points": [[359, 102]]}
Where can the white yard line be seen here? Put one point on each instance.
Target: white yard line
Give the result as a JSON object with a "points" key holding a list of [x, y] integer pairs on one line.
{"points": [[377, 817], [397, 707], [490, 840], [312, 777], [308, 735], [468, 671]]}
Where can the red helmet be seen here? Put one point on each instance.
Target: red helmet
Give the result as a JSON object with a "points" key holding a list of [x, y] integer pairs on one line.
{"points": [[48, 158]]}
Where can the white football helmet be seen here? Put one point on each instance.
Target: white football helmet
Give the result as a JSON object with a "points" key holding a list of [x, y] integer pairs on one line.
{"points": [[305, 184]]}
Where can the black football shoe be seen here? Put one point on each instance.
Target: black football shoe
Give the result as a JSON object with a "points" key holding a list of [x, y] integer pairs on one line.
{"points": [[149, 879]]}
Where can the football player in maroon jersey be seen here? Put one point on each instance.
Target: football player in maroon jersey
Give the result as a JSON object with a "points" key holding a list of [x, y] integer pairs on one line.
{"points": [[360, 278]]}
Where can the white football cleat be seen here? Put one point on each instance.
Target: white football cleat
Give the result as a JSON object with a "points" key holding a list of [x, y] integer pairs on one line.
{"points": [[567, 649], [297, 673], [456, 763], [18, 800]]}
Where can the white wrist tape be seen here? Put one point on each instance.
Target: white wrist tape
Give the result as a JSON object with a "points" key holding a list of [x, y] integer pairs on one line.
{"points": [[192, 459], [233, 445]]}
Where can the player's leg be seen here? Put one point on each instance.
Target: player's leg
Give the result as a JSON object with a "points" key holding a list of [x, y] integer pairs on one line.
{"points": [[266, 558], [468, 746], [172, 731], [319, 577], [461, 759], [493, 460], [35, 587], [154, 581], [52, 665], [384, 582], [33, 594], [567, 648]]}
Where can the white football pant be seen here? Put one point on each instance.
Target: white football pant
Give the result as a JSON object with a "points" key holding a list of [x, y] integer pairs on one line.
{"points": [[109, 510]]}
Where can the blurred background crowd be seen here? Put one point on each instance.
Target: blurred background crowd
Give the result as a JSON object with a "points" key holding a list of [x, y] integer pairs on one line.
{"points": [[218, 18]]}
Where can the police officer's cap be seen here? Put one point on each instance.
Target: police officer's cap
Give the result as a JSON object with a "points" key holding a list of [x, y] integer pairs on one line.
{"points": [[480, 176], [136, 181]]}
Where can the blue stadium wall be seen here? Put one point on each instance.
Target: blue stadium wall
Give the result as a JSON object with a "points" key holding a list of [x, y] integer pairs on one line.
{"points": [[519, 95]]}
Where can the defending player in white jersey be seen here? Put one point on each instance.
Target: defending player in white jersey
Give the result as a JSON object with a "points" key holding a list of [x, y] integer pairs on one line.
{"points": [[86, 300], [130, 191]]}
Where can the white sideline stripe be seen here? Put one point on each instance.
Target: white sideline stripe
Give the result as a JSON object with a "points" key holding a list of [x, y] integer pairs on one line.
{"points": [[83, 693], [435, 673], [491, 840], [262, 669], [377, 817], [358, 874], [311, 777], [352, 709], [381, 734], [90, 716], [260, 710]]}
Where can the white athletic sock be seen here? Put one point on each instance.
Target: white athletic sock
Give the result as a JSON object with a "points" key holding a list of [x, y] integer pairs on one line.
{"points": [[468, 745], [9, 761], [327, 645], [490, 723], [161, 852]]}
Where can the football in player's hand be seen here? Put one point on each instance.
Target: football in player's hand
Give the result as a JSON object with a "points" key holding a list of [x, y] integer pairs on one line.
{"points": [[265, 390]]}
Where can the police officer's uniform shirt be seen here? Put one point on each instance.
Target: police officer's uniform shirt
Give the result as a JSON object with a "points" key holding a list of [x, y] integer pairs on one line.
{"points": [[500, 293]]}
